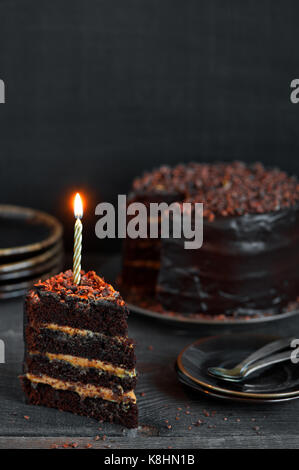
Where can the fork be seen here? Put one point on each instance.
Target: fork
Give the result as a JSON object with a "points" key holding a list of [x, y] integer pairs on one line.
{"points": [[257, 360]]}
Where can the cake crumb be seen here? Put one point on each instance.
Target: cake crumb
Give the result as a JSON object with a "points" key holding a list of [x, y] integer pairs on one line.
{"points": [[198, 422]]}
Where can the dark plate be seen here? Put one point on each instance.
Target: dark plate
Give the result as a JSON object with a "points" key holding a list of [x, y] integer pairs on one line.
{"points": [[111, 271], [275, 382], [10, 270], [18, 289], [210, 393], [26, 231], [15, 276], [199, 319]]}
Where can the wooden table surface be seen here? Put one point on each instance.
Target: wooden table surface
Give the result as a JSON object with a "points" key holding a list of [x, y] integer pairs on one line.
{"points": [[167, 408]]}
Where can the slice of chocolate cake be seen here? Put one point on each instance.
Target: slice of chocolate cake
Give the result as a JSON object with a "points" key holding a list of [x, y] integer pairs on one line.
{"points": [[78, 356]]}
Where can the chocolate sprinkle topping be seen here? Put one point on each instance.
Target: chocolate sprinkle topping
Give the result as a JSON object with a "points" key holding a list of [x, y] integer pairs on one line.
{"points": [[91, 286], [226, 189]]}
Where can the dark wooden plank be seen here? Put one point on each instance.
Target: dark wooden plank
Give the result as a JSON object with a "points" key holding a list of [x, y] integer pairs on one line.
{"points": [[229, 442]]}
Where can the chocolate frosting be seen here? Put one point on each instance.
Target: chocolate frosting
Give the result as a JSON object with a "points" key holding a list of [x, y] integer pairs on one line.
{"points": [[247, 265]]}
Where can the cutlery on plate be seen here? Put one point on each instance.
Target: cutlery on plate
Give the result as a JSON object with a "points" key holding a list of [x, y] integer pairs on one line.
{"points": [[259, 359]]}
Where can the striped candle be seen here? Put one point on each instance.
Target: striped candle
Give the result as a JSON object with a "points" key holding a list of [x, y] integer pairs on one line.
{"points": [[78, 211]]}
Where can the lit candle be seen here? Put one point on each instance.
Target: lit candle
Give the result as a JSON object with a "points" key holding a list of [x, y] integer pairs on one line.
{"points": [[78, 211]]}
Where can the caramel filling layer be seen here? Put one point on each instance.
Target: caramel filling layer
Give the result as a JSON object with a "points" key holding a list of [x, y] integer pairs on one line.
{"points": [[143, 263], [76, 331], [67, 329], [88, 390], [86, 363]]}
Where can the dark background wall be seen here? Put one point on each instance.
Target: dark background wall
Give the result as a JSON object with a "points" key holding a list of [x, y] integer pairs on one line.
{"points": [[99, 90]]}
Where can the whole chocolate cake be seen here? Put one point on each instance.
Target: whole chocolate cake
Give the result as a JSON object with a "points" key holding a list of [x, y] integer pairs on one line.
{"points": [[78, 356], [248, 263]]}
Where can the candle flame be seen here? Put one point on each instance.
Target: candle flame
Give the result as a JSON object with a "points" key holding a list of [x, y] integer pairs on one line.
{"points": [[78, 206]]}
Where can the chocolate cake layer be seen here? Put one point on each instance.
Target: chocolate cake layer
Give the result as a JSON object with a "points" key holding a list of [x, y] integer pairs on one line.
{"points": [[61, 369], [94, 305], [143, 249], [141, 263], [141, 257], [141, 276], [105, 348], [65, 400]]}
